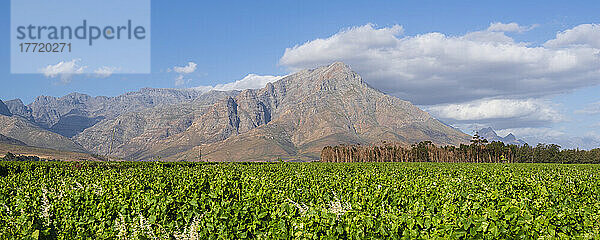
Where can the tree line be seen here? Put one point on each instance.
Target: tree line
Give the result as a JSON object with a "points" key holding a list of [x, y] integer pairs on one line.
{"points": [[479, 151], [13, 157]]}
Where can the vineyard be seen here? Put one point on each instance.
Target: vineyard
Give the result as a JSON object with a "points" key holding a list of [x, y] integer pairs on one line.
{"points": [[154, 200]]}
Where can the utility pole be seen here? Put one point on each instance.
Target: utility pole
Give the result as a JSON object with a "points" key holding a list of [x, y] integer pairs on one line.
{"points": [[112, 139]]}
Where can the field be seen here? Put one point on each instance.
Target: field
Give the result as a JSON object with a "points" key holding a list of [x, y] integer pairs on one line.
{"points": [[153, 200]]}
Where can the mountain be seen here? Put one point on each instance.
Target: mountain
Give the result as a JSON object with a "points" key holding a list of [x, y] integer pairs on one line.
{"points": [[9, 140], [21, 129], [489, 134], [565, 141], [75, 112], [4, 109], [293, 118], [17, 130], [17, 107], [133, 132]]}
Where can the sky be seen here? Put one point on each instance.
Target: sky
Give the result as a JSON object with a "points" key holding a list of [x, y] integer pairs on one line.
{"points": [[527, 67], [120, 50]]}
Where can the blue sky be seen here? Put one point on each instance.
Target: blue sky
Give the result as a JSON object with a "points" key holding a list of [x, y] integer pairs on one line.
{"points": [[227, 40], [122, 51]]}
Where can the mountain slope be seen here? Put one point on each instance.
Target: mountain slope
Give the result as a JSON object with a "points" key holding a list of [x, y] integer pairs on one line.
{"points": [[4, 109], [17, 107], [9, 140], [20, 129], [489, 134], [293, 118], [71, 114], [133, 132]]}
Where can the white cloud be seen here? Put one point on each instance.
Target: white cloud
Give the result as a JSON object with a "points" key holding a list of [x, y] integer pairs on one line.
{"points": [[596, 125], [434, 68], [189, 68], [180, 80], [584, 35], [509, 27], [104, 72], [251, 81], [65, 70], [593, 108], [499, 113]]}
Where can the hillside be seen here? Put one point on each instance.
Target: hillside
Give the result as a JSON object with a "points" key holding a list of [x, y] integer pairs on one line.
{"points": [[45, 153], [4, 109], [9, 140], [24, 131], [75, 112], [295, 117]]}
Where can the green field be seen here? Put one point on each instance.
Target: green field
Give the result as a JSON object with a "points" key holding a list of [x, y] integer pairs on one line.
{"points": [[298, 201]]}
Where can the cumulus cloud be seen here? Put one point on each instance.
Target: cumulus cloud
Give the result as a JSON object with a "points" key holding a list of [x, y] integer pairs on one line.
{"points": [[593, 108], [64, 70], [434, 68], [509, 27], [251, 81], [180, 80], [584, 36], [187, 69], [104, 72], [498, 113]]}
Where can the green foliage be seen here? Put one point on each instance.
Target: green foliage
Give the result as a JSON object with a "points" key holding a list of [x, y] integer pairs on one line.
{"points": [[12, 157], [479, 151], [156, 200]]}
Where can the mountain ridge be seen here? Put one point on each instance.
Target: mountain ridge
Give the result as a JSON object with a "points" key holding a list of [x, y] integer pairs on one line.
{"points": [[491, 135], [79, 111], [21, 129], [313, 108], [4, 110], [292, 118]]}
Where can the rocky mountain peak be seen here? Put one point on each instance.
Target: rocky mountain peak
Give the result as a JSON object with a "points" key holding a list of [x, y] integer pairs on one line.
{"points": [[491, 135], [338, 67], [17, 101], [17, 107], [4, 109], [338, 71], [510, 137], [337, 78], [294, 117], [76, 95], [487, 130]]}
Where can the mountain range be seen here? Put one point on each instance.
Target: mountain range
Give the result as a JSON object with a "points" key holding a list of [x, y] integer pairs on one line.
{"points": [[491, 135], [292, 118], [566, 142]]}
